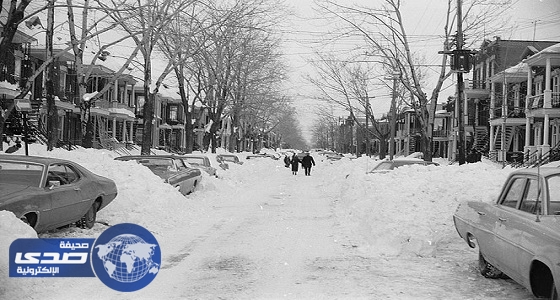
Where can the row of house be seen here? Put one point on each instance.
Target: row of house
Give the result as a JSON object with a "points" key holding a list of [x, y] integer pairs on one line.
{"points": [[511, 107], [117, 113]]}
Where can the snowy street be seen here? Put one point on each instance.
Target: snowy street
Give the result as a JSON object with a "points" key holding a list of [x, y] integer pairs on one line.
{"points": [[259, 232]]}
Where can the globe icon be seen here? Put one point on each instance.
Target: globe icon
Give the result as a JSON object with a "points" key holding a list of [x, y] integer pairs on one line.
{"points": [[127, 258]]}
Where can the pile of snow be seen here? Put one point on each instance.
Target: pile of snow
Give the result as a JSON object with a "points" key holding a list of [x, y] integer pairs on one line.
{"points": [[406, 212], [409, 210]]}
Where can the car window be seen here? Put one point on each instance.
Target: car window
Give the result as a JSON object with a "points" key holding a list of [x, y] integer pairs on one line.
{"points": [[514, 193], [62, 173], [407, 163], [529, 202], [553, 184], [384, 165], [157, 165], [229, 158], [180, 164], [21, 173], [196, 160]]}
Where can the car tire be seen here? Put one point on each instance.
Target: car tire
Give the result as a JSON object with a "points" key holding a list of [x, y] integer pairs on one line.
{"points": [[88, 220], [29, 219], [553, 291], [488, 270]]}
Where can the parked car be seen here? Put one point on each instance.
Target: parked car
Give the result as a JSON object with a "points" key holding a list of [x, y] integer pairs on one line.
{"points": [[255, 156], [202, 162], [48, 193], [229, 158], [388, 165], [334, 157], [170, 168], [519, 234]]}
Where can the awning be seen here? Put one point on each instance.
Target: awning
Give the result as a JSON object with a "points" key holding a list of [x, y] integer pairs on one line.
{"points": [[98, 111], [123, 112]]}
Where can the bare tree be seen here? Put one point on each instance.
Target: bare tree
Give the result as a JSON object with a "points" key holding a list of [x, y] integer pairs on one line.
{"points": [[78, 43], [184, 39], [383, 30], [235, 53], [289, 131], [351, 85], [145, 22]]}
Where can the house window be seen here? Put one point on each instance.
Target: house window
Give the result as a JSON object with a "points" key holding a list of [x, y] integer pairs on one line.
{"points": [[556, 88], [555, 74], [538, 85], [173, 113], [17, 68], [516, 96], [140, 104], [554, 135]]}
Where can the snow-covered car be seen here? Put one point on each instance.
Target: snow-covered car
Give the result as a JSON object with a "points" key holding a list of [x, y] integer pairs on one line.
{"points": [[334, 156], [519, 234], [48, 193], [170, 168], [229, 158], [255, 156], [202, 162], [388, 165]]}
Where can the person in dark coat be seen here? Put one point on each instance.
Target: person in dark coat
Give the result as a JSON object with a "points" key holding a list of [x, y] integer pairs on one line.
{"points": [[295, 164], [287, 161], [306, 163]]}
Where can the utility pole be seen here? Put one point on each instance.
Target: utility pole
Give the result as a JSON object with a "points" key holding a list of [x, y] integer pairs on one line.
{"points": [[52, 113], [393, 120], [368, 153], [460, 63], [460, 89]]}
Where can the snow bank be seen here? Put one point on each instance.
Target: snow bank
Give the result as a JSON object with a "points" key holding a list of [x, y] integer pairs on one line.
{"points": [[408, 211]]}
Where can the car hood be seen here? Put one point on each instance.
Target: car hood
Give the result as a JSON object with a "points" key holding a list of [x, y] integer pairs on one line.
{"points": [[9, 191]]}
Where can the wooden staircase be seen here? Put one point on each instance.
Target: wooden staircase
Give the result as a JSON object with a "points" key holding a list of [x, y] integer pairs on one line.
{"points": [[18, 125], [534, 160], [509, 133], [107, 141], [481, 140]]}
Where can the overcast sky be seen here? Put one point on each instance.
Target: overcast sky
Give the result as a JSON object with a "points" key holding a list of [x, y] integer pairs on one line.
{"points": [[424, 17]]}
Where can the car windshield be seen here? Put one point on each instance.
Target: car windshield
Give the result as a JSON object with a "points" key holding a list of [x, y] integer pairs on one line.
{"points": [[156, 164], [406, 163], [195, 160], [384, 165], [21, 173], [554, 194]]}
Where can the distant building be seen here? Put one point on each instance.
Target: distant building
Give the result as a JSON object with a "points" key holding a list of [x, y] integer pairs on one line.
{"points": [[495, 99]]}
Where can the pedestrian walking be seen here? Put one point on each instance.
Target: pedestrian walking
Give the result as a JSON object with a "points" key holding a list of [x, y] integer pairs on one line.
{"points": [[295, 164], [287, 161], [306, 162]]}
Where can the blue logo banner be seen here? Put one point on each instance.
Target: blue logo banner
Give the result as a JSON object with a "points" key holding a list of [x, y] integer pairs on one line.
{"points": [[52, 257], [126, 257]]}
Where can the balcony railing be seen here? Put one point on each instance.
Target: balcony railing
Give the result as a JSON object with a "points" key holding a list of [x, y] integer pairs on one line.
{"points": [[475, 84], [511, 112], [536, 101], [441, 133]]}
